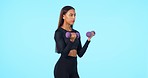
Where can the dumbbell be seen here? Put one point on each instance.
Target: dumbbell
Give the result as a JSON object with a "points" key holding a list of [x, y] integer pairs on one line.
{"points": [[90, 34], [68, 34]]}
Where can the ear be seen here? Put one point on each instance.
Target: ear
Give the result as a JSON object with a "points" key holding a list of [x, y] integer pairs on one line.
{"points": [[63, 16]]}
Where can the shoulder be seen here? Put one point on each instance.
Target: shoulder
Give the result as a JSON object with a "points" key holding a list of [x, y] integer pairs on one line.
{"points": [[59, 30]]}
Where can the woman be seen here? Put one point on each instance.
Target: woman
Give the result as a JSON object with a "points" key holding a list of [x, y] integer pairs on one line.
{"points": [[69, 48]]}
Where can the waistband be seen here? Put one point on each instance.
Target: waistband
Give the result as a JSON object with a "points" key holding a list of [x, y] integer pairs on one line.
{"points": [[69, 57]]}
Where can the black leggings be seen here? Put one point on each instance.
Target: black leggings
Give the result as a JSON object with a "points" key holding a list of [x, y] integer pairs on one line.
{"points": [[66, 68]]}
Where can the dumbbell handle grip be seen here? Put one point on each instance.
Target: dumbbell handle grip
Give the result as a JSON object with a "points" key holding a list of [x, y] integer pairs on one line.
{"points": [[90, 34]]}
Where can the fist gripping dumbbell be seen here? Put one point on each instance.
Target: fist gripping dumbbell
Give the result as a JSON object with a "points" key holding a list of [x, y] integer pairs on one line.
{"points": [[68, 34], [90, 34]]}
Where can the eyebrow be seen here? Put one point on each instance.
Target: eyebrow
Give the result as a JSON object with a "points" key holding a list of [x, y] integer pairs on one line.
{"points": [[72, 13]]}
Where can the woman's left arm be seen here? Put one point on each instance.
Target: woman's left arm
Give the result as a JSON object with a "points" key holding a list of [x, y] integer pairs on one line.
{"points": [[81, 50]]}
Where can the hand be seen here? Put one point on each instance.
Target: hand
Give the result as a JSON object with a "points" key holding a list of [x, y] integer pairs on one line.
{"points": [[89, 38], [73, 37], [92, 34]]}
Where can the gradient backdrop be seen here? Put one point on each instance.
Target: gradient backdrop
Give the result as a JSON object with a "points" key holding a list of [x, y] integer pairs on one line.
{"points": [[118, 50]]}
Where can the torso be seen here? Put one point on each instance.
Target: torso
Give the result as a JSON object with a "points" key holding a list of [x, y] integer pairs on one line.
{"points": [[73, 52]]}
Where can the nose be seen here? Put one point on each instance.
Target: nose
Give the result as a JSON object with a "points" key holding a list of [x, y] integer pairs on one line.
{"points": [[73, 16]]}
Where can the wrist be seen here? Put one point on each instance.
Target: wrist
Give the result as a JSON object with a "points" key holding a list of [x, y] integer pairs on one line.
{"points": [[88, 39], [72, 40]]}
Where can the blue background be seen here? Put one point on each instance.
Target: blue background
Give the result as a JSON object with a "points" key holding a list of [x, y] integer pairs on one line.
{"points": [[118, 50]]}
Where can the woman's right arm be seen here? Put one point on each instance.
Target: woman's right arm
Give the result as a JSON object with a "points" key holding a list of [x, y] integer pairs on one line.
{"points": [[60, 44]]}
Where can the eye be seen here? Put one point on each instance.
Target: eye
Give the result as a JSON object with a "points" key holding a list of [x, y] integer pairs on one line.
{"points": [[71, 15]]}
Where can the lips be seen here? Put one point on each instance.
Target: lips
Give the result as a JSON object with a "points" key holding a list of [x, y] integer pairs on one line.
{"points": [[73, 21]]}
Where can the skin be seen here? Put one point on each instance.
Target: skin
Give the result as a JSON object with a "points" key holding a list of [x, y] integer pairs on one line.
{"points": [[69, 19]]}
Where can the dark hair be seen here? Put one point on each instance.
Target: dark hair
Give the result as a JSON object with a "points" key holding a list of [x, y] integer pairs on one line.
{"points": [[64, 10]]}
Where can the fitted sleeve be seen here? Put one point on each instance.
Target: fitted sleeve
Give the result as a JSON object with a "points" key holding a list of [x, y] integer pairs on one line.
{"points": [[60, 44], [81, 50]]}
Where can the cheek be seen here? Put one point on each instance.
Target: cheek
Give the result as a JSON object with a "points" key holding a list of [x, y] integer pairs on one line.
{"points": [[69, 19]]}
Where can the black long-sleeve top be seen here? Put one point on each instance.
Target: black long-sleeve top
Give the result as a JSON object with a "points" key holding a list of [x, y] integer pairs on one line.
{"points": [[64, 45]]}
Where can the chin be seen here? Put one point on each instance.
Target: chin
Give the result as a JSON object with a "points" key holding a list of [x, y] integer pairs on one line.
{"points": [[71, 23]]}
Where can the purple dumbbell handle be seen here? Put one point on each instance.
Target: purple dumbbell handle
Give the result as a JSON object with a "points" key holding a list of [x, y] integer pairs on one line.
{"points": [[89, 34]]}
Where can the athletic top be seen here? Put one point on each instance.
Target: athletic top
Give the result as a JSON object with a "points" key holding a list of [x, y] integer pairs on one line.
{"points": [[64, 45]]}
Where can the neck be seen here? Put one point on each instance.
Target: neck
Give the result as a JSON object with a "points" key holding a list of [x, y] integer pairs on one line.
{"points": [[66, 27]]}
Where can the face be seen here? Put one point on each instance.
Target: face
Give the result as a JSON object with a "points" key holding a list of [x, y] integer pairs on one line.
{"points": [[69, 17]]}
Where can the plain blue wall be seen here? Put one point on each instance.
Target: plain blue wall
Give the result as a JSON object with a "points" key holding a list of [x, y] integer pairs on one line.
{"points": [[118, 50]]}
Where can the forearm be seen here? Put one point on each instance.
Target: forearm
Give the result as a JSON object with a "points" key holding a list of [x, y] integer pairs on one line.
{"points": [[83, 49]]}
